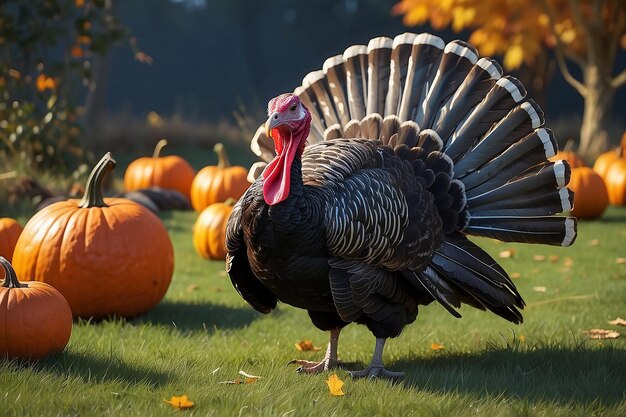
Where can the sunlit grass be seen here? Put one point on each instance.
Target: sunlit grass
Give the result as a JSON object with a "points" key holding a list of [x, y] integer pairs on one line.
{"points": [[203, 333]]}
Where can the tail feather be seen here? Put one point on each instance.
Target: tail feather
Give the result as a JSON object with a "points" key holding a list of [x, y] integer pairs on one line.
{"points": [[336, 74], [502, 97], [458, 58], [317, 127], [550, 230], [379, 54], [478, 82], [317, 84], [400, 54], [424, 58], [355, 64]]}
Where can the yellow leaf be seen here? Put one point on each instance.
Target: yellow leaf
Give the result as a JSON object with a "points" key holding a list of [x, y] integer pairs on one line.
{"points": [[506, 254], [601, 334], [334, 385], [436, 346], [181, 402], [516, 275], [306, 345], [514, 57], [539, 289], [522, 338], [620, 261], [539, 258]]}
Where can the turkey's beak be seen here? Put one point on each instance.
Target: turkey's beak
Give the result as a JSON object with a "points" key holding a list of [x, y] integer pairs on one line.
{"points": [[274, 120]]}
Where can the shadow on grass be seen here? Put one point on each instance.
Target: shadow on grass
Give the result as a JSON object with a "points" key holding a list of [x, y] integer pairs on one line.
{"points": [[94, 369], [579, 375], [198, 316]]}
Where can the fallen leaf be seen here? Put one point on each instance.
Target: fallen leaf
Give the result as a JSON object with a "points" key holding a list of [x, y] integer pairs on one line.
{"points": [[522, 338], [539, 289], [601, 334], [192, 287], [620, 261], [516, 275], [618, 322], [568, 261], [437, 346], [334, 385], [306, 345], [594, 242], [217, 289], [554, 258], [539, 258], [181, 402], [506, 254]]}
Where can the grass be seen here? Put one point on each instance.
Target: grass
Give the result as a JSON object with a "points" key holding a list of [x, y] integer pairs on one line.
{"points": [[203, 333]]}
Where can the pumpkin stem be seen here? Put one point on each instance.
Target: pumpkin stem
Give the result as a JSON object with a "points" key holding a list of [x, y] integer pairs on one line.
{"points": [[222, 158], [159, 147], [10, 279], [93, 190]]}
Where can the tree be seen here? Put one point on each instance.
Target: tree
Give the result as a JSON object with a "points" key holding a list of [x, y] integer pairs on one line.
{"points": [[584, 33]]}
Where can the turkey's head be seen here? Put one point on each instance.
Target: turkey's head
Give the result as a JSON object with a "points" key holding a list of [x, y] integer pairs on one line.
{"points": [[288, 125]]}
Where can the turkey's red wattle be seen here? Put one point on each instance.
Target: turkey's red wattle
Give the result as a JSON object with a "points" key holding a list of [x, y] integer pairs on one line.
{"points": [[277, 175]]}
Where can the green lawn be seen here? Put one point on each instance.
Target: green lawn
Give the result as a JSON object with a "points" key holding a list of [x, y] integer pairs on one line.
{"points": [[203, 333]]}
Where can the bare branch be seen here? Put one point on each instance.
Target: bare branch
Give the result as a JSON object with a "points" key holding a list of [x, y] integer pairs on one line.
{"points": [[619, 80], [560, 54], [585, 28]]}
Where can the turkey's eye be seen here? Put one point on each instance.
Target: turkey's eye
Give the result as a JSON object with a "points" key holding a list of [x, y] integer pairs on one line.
{"points": [[292, 108]]}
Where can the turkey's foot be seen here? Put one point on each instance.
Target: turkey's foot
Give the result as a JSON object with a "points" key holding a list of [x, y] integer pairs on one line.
{"points": [[311, 367], [374, 371]]}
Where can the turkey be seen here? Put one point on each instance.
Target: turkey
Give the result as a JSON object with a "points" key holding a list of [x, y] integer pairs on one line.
{"points": [[376, 169]]}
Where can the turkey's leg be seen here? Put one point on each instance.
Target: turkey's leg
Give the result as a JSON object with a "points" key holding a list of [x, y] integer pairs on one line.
{"points": [[330, 359], [376, 368]]}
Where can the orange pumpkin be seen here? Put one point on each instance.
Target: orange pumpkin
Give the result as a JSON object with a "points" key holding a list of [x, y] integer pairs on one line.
{"points": [[10, 230], [574, 160], [615, 180], [604, 161], [209, 231], [107, 256], [171, 172], [214, 184], [36, 319], [590, 195]]}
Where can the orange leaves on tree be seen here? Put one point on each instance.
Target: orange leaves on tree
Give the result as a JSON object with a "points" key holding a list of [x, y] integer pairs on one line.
{"points": [[181, 402], [44, 82], [79, 3], [335, 386], [306, 345]]}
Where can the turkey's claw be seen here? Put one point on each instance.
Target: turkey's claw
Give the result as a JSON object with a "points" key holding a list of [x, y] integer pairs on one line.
{"points": [[310, 367], [377, 372]]}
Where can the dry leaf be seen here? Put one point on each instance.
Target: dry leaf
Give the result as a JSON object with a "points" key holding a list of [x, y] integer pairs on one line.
{"points": [[437, 346], [539, 289], [568, 261], [594, 242], [516, 275], [506, 254], [334, 385], [539, 258], [306, 345], [620, 261], [521, 338], [181, 402], [554, 258], [192, 287], [618, 322], [601, 334]]}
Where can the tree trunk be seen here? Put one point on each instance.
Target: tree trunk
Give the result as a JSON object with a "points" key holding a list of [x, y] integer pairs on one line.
{"points": [[597, 105]]}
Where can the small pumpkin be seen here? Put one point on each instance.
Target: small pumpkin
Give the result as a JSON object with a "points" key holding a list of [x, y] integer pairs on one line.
{"points": [[36, 319], [107, 256], [171, 172], [615, 180], [590, 195], [216, 183], [209, 231], [10, 230], [604, 161], [574, 160]]}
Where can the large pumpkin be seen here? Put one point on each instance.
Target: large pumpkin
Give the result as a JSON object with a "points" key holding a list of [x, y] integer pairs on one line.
{"points": [[209, 231], [217, 183], [590, 195], [574, 160], [36, 319], [107, 256], [615, 180], [171, 172], [10, 230]]}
